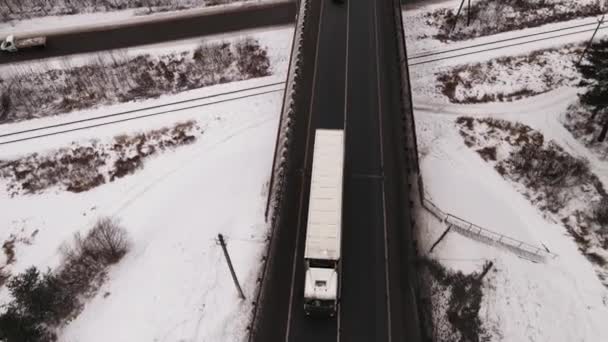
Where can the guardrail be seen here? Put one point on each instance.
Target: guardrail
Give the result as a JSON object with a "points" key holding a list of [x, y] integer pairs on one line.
{"points": [[287, 116], [279, 170], [474, 231], [409, 123]]}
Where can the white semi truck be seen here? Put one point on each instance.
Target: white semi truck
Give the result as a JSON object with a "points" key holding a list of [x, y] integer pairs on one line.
{"points": [[12, 44], [324, 228]]}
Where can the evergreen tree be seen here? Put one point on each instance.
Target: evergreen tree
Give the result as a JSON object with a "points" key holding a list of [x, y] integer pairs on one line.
{"points": [[595, 72]]}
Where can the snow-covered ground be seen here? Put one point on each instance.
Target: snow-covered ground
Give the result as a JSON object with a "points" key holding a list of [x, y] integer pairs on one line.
{"points": [[495, 20], [559, 300], [55, 84], [174, 284]]}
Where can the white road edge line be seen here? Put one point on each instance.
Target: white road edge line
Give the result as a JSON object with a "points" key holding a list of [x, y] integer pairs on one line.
{"points": [[339, 318], [299, 225], [386, 270]]}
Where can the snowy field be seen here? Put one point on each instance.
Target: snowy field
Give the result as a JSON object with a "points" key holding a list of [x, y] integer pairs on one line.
{"points": [[436, 22], [58, 85], [174, 283], [561, 299]]}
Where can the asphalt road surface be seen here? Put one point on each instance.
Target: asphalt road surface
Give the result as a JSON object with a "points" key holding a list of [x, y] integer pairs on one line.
{"points": [[157, 32], [353, 83]]}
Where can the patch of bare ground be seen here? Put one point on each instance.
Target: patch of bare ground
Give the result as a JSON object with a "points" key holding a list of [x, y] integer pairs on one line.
{"points": [[584, 126], [562, 186], [109, 79], [455, 302], [79, 168], [510, 78], [494, 16]]}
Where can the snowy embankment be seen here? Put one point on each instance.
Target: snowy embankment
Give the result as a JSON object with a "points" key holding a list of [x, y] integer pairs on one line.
{"points": [[68, 16], [436, 23], [560, 300], [57, 86], [521, 300], [174, 283]]}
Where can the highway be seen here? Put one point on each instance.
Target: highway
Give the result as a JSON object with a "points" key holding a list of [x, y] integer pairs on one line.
{"points": [[350, 59], [62, 44]]}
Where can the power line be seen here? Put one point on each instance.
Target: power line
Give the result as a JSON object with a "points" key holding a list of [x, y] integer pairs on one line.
{"points": [[132, 118], [498, 47], [139, 110]]}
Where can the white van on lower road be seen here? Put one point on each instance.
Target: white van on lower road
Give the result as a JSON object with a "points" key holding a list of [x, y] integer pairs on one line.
{"points": [[12, 44]]}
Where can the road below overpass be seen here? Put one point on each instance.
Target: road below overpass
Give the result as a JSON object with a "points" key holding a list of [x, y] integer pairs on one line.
{"points": [[353, 84], [100, 39]]}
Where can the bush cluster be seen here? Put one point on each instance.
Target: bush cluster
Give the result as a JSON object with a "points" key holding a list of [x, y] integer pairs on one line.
{"points": [[42, 301], [495, 16], [81, 168], [115, 78]]}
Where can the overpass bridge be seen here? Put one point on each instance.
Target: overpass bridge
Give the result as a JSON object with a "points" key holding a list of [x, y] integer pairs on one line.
{"points": [[348, 72]]}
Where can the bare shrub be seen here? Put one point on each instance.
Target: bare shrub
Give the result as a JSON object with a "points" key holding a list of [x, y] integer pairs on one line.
{"points": [[41, 302], [495, 16], [549, 166], [86, 258], [108, 240], [252, 58], [105, 244], [488, 153], [9, 250], [116, 78], [601, 212], [508, 78], [464, 292], [81, 168]]}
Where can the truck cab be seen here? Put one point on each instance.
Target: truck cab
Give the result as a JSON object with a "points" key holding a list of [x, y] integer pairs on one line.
{"points": [[320, 289], [8, 44], [12, 44]]}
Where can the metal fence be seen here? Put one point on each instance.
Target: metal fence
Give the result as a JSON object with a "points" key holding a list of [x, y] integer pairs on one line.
{"points": [[409, 123], [474, 231], [286, 120], [277, 185]]}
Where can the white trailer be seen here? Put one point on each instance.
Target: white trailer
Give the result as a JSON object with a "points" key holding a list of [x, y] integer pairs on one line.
{"points": [[324, 228], [12, 44]]}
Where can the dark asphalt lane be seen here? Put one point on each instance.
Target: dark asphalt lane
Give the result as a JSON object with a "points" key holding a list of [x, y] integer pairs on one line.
{"points": [[157, 32], [355, 85], [271, 322], [364, 310], [326, 110]]}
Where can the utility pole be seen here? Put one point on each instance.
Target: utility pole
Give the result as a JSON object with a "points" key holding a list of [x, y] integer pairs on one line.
{"points": [[220, 237], [457, 15], [469, 13], [599, 23]]}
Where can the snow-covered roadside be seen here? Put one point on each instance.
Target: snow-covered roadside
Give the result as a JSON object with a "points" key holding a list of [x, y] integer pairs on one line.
{"points": [[174, 284], [55, 24], [421, 26], [560, 300], [521, 300], [83, 81], [277, 41]]}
